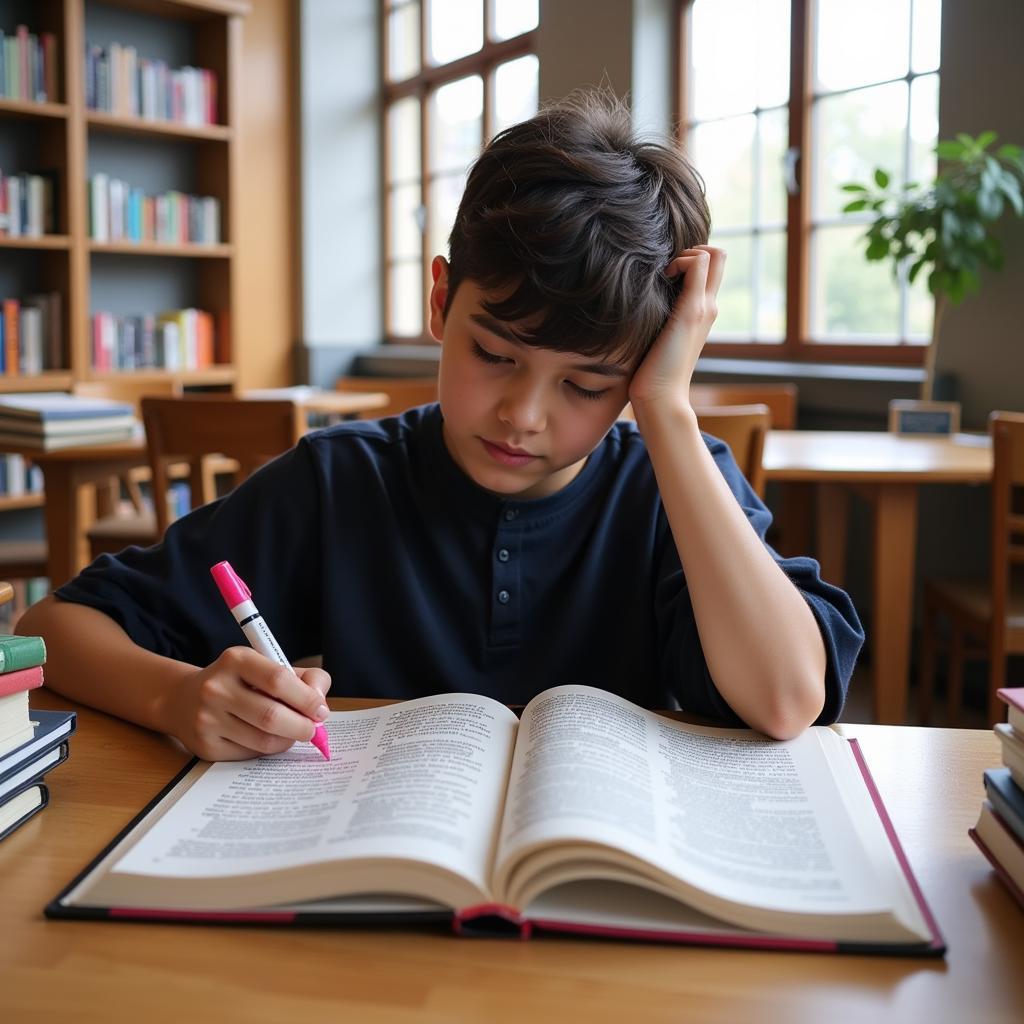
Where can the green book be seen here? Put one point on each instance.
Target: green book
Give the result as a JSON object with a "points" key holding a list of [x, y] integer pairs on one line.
{"points": [[21, 652]]}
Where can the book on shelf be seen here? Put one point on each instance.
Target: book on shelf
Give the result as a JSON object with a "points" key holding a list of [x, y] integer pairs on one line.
{"points": [[182, 339], [119, 81], [27, 204], [51, 420], [15, 721], [28, 65], [119, 212], [18, 478], [31, 335], [591, 816], [22, 805]]}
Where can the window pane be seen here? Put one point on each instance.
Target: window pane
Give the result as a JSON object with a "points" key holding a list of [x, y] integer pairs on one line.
{"points": [[723, 54], [771, 286], [853, 134], [774, 128], [405, 237], [406, 312], [851, 299], [920, 309], [927, 35], [515, 91], [861, 43], [924, 128], [456, 124], [404, 41], [723, 152], [514, 17], [735, 296], [456, 28], [772, 52], [445, 193], [404, 140]]}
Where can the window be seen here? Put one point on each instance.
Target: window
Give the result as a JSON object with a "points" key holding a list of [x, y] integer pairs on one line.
{"points": [[455, 73], [784, 101]]}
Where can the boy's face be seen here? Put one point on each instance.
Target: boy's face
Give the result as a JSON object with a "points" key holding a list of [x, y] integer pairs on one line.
{"points": [[519, 421]]}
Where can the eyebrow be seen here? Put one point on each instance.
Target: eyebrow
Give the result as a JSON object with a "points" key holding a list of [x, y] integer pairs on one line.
{"points": [[503, 331]]}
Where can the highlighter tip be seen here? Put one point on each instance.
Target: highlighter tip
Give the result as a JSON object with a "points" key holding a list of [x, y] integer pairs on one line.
{"points": [[321, 742]]}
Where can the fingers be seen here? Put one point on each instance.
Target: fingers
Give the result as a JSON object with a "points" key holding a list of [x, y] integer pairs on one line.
{"points": [[315, 677], [704, 267]]}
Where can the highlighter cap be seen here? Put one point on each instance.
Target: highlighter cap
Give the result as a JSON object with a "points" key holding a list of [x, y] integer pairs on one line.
{"points": [[230, 584]]}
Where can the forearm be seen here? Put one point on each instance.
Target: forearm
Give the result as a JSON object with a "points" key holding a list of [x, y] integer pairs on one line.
{"points": [[91, 659], [760, 639]]}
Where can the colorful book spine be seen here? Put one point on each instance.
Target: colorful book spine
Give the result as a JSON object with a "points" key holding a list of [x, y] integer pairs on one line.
{"points": [[21, 679], [28, 66], [17, 652]]}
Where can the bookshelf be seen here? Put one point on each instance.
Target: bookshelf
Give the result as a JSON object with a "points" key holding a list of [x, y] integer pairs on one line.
{"points": [[64, 135]]}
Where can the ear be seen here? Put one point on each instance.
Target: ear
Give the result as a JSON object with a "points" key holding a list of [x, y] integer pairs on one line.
{"points": [[438, 296]]}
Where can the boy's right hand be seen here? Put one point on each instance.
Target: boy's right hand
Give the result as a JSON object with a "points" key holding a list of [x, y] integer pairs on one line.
{"points": [[245, 705]]}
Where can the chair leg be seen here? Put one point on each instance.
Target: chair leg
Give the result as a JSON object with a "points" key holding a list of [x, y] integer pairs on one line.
{"points": [[926, 668], [956, 676]]}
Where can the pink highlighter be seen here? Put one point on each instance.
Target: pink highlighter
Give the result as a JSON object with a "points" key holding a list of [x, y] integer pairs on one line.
{"points": [[238, 598]]}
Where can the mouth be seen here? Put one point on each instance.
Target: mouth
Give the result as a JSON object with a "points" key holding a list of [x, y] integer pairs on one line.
{"points": [[506, 455]]}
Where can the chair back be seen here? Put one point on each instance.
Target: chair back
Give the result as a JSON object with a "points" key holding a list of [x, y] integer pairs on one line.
{"points": [[1007, 554], [743, 429], [128, 389], [192, 428], [781, 399], [403, 392]]}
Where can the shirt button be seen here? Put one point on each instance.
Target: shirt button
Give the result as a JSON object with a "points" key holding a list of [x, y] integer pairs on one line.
{"points": [[504, 596], [510, 514], [503, 555]]}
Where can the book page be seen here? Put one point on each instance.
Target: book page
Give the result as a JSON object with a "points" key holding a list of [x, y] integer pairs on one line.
{"points": [[740, 816], [424, 780]]}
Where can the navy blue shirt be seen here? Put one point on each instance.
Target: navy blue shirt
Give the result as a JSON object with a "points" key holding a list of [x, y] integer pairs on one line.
{"points": [[367, 544]]}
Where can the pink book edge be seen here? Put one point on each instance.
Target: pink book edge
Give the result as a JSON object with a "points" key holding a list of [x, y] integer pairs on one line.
{"points": [[897, 846], [1012, 695], [20, 679]]}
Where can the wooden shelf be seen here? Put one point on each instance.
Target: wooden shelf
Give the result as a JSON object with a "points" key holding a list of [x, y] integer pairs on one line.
{"points": [[9, 502], [220, 374], [37, 242], [100, 120], [32, 109], [186, 9], [220, 251], [50, 380]]}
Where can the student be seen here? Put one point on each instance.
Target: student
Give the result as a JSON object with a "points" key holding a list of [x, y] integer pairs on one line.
{"points": [[513, 537]]}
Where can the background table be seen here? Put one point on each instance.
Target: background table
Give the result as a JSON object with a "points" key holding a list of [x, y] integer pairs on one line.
{"points": [[70, 476], [886, 470], [82, 971]]}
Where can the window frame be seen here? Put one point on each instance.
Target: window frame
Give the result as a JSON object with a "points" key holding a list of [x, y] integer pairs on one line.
{"points": [[797, 345], [483, 62]]}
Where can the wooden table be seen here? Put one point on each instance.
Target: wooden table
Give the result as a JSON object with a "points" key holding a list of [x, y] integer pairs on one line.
{"points": [[70, 476], [86, 971], [887, 470]]}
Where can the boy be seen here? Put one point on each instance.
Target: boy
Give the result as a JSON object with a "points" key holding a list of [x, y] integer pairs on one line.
{"points": [[513, 537]]}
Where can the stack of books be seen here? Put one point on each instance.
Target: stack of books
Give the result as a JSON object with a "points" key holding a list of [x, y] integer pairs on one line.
{"points": [[999, 831], [32, 743], [48, 420]]}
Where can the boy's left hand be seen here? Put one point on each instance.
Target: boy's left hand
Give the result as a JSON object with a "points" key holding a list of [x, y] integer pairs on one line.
{"points": [[665, 373]]}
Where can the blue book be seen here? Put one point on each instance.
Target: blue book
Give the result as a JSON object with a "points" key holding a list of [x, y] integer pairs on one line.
{"points": [[1007, 798], [51, 729], [48, 406], [20, 806]]}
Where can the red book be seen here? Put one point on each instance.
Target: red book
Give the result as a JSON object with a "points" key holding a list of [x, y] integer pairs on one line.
{"points": [[12, 314], [22, 679], [50, 66], [1014, 697]]}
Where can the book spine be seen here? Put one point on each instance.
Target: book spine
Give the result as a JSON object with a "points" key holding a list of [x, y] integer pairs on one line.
{"points": [[17, 652]]}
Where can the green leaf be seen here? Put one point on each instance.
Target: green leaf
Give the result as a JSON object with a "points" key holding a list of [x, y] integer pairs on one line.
{"points": [[916, 269], [949, 150], [1008, 152], [985, 139], [854, 187], [855, 206], [1010, 188], [967, 142], [881, 178], [878, 249], [990, 204]]}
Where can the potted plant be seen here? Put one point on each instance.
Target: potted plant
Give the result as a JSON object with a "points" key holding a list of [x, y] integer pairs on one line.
{"points": [[944, 228]]}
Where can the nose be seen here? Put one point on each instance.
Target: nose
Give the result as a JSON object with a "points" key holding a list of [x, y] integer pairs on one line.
{"points": [[522, 407]]}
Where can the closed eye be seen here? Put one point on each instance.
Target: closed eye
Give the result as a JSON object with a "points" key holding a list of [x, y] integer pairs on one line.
{"points": [[488, 357], [586, 392]]}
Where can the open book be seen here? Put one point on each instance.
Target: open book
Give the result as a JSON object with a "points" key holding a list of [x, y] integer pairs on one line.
{"points": [[589, 815]]}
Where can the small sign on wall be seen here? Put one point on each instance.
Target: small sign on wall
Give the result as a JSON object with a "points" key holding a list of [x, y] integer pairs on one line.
{"points": [[911, 416]]}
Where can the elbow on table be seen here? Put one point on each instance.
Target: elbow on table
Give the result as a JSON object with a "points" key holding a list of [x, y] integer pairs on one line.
{"points": [[790, 709]]}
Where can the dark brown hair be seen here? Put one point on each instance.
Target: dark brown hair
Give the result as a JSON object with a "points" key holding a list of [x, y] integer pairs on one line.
{"points": [[570, 220]]}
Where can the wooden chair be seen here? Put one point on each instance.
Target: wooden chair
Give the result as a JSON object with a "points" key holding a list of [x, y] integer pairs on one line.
{"points": [[986, 618], [743, 429], [404, 392], [781, 399], [194, 430]]}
